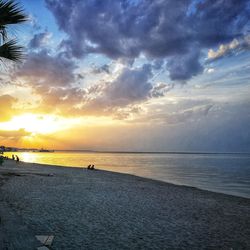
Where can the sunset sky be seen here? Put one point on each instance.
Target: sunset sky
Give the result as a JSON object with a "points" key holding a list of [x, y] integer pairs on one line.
{"points": [[136, 75]]}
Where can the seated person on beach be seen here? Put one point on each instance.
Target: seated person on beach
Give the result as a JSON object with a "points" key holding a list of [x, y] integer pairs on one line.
{"points": [[91, 167], [17, 158]]}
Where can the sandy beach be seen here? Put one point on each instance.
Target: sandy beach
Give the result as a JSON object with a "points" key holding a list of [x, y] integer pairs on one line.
{"points": [[97, 209]]}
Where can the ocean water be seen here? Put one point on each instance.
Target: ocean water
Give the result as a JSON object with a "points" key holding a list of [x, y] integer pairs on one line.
{"points": [[224, 173]]}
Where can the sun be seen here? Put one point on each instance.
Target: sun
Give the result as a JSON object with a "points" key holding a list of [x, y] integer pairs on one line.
{"points": [[37, 124]]}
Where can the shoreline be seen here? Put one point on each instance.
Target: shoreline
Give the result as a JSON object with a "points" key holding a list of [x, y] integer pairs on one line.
{"points": [[109, 210], [133, 175], [144, 177]]}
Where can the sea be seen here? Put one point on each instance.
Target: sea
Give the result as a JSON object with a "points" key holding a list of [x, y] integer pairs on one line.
{"points": [[223, 173]]}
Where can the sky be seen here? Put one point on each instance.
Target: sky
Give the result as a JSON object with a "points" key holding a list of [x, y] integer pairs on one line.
{"points": [[129, 75]]}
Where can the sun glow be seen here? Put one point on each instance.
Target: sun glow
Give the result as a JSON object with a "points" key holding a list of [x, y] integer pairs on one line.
{"points": [[42, 124]]}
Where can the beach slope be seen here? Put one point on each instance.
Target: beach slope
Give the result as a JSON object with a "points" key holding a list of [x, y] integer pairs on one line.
{"points": [[87, 209]]}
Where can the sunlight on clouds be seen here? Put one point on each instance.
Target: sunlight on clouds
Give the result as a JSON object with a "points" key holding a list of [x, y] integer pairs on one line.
{"points": [[98, 121], [25, 96], [47, 124], [127, 82], [42, 124]]}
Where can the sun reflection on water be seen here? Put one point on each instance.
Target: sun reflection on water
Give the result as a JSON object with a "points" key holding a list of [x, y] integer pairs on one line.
{"points": [[28, 157], [23, 156]]}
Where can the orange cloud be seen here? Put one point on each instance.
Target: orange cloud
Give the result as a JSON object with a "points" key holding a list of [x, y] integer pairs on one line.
{"points": [[7, 110]]}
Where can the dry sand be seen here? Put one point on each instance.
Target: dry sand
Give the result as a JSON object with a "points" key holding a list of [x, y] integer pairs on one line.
{"points": [[87, 209]]}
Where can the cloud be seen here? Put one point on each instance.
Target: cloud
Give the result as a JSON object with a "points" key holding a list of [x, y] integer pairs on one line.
{"points": [[160, 89], [43, 69], [65, 101], [219, 21], [6, 104], [188, 114], [230, 48], [130, 87], [58, 93], [102, 69], [209, 70], [53, 79], [157, 64], [40, 40], [183, 111], [184, 67], [157, 29], [34, 22], [14, 134], [120, 29]]}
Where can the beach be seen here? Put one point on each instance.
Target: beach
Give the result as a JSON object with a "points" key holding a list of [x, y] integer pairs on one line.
{"points": [[96, 209]]}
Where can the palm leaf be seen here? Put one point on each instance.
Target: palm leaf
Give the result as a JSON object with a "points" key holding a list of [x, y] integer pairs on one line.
{"points": [[10, 50], [3, 32], [11, 13]]}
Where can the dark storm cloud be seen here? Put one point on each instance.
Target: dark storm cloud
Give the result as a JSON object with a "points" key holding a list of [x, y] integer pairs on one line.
{"points": [[120, 28], [158, 64], [42, 68], [183, 67], [39, 40], [157, 29], [220, 21]]}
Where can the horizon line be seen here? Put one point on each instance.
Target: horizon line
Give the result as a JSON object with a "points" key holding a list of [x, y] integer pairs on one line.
{"points": [[131, 152]]}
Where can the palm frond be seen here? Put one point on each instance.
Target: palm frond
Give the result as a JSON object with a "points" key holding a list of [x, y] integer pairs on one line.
{"points": [[3, 32], [11, 51], [11, 13]]}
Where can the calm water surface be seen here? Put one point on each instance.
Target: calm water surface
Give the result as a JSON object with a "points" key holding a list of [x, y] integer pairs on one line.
{"points": [[225, 173]]}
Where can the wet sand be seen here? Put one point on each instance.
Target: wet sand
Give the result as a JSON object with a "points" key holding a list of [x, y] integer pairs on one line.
{"points": [[87, 209]]}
